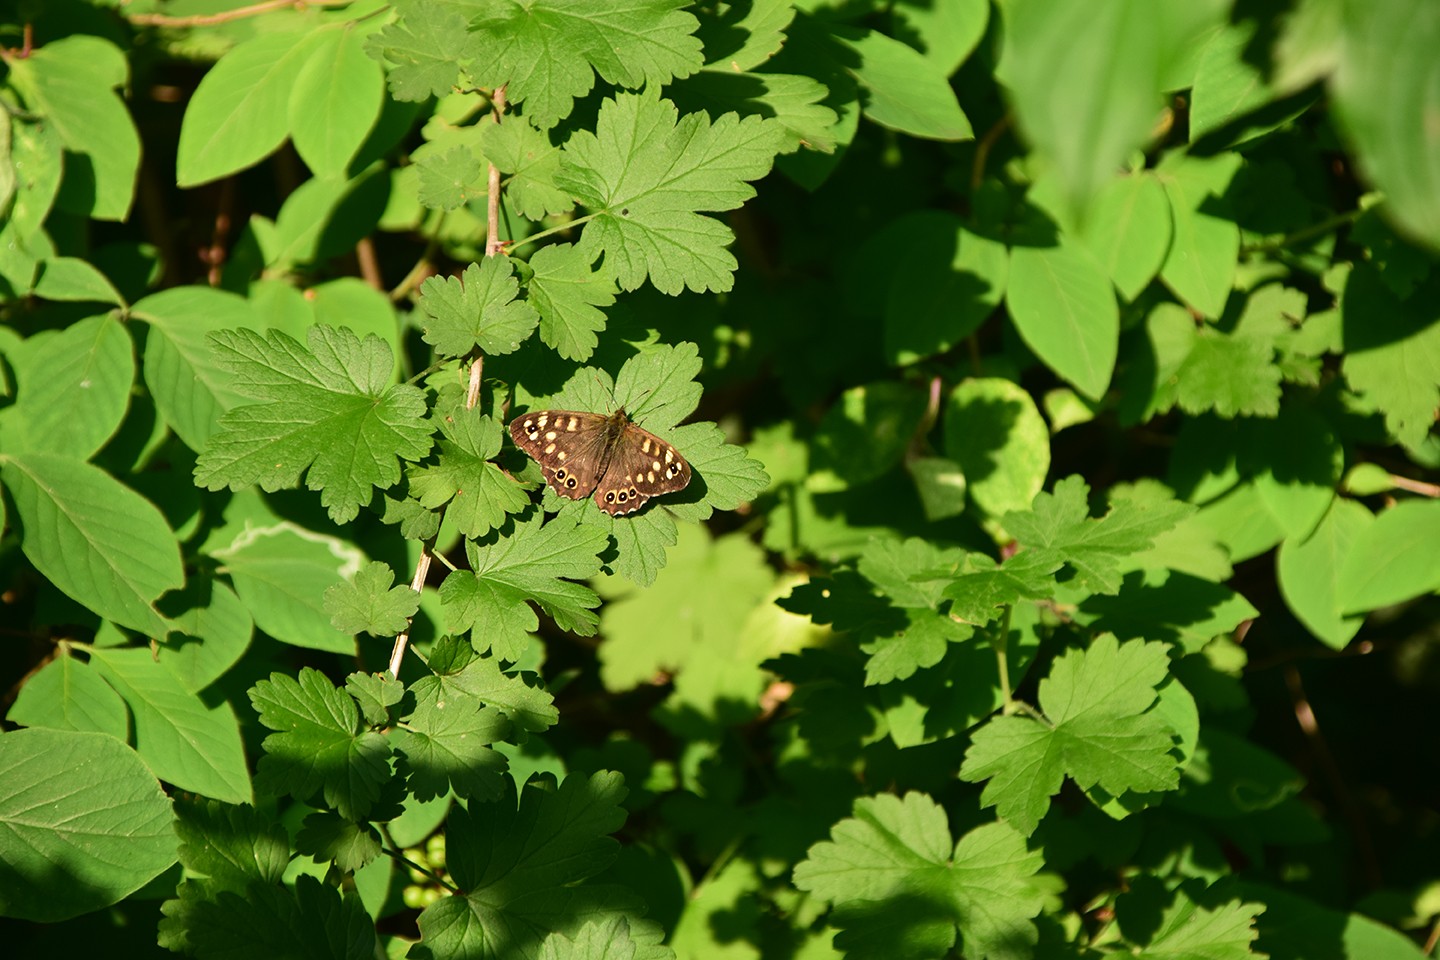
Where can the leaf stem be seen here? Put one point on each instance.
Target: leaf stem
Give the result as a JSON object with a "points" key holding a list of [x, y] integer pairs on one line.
{"points": [[1328, 225], [999, 644], [392, 849], [567, 225]]}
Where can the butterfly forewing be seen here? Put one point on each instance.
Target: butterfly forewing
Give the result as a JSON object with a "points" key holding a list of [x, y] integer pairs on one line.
{"points": [[568, 445], [582, 452]]}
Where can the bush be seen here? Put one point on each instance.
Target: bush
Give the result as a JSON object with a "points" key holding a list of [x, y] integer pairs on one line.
{"points": [[574, 479]]}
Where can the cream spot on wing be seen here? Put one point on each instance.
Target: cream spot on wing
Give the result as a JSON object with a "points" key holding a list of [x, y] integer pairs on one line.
{"points": [[550, 435], [655, 465], [645, 447], [571, 424], [669, 455], [550, 448], [649, 478], [560, 455]]}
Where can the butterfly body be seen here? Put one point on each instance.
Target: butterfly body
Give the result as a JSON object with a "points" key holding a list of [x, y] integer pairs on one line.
{"points": [[582, 453]]}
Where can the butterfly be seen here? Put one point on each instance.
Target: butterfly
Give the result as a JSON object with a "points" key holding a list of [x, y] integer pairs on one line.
{"points": [[583, 452]]}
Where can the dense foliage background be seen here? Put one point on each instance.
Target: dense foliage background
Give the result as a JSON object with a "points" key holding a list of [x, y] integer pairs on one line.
{"points": [[1058, 574]]}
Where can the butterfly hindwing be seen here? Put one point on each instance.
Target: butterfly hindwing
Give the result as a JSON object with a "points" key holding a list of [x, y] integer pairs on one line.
{"points": [[642, 466], [582, 452], [568, 445]]}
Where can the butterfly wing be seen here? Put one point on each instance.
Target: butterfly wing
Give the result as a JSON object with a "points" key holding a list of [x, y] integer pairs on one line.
{"points": [[568, 445], [641, 466]]}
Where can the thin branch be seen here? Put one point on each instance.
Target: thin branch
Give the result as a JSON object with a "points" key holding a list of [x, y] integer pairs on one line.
{"points": [[239, 13], [1415, 486], [1310, 726], [417, 583], [982, 149], [493, 243]]}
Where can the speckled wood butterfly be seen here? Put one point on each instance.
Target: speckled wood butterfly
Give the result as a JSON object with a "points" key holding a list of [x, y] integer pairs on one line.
{"points": [[580, 452]]}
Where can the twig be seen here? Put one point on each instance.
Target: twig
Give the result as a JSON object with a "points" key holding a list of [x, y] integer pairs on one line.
{"points": [[369, 264], [239, 13], [417, 583], [1310, 726], [982, 149], [493, 243]]}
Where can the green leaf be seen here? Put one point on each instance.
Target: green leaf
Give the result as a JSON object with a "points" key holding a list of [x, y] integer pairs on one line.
{"points": [[370, 603], [1127, 229], [1099, 730], [531, 162], [945, 32], [795, 102], [546, 52], [1310, 570], [920, 645], [1386, 85], [480, 495], [230, 845], [1167, 605], [316, 920], [523, 563], [38, 158], [70, 82], [522, 867], [72, 844], [190, 387], [444, 744], [239, 113], [1241, 522], [376, 694], [529, 708], [731, 476], [1064, 307], [904, 91], [72, 389], [1175, 927], [427, 48], [1200, 267], [320, 747], [645, 174], [946, 281], [185, 742], [606, 940], [995, 432], [1230, 375], [1392, 351], [900, 891], [1392, 559], [696, 605], [1085, 83], [74, 280], [326, 409], [865, 434], [94, 538], [912, 573], [567, 293], [1060, 524], [327, 837], [281, 572], [450, 179], [1298, 462], [983, 587], [67, 694], [478, 311], [1227, 85], [336, 100], [212, 631]]}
